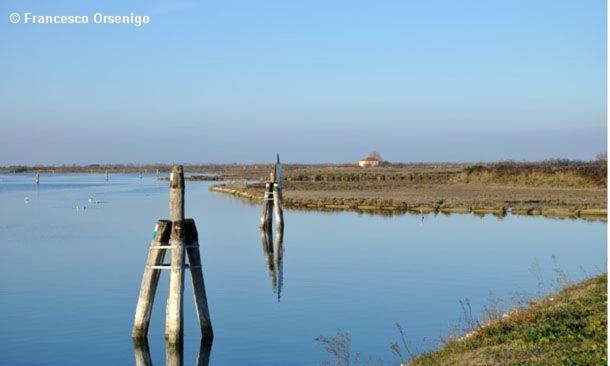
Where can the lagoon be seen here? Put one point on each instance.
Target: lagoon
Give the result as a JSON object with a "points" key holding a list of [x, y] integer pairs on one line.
{"points": [[70, 277]]}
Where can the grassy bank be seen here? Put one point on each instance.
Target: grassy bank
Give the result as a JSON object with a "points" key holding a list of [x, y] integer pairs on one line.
{"points": [[567, 328]]}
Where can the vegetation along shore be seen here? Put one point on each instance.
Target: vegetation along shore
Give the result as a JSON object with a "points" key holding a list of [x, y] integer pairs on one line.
{"points": [[565, 328], [557, 188]]}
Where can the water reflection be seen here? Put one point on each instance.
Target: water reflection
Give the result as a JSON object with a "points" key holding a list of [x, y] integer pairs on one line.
{"points": [[273, 249], [142, 352], [173, 353]]}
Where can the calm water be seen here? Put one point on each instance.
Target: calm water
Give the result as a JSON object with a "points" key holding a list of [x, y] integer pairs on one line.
{"points": [[70, 278]]}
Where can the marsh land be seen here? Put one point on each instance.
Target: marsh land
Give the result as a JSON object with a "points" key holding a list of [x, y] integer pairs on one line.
{"points": [[552, 188]]}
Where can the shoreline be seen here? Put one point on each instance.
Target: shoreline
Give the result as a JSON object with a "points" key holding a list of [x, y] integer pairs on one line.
{"points": [[565, 326], [389, 207]]}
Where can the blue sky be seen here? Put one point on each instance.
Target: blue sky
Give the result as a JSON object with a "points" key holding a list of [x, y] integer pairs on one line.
{"points": [[317, 80]]}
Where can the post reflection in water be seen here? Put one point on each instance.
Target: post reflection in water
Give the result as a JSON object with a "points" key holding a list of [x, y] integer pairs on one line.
{"points": [[173, 353], [273, 249], [142, 352]]}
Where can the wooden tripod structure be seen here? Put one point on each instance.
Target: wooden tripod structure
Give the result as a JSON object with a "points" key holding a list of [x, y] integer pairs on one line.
{"points": [[272, 200], [178, 235]]}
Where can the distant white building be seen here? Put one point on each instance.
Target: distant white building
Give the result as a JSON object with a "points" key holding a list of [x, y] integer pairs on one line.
{"points": [[369, 161]]}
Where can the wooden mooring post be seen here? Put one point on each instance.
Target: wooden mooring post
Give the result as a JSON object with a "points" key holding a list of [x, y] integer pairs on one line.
{"points": [[267, 215], [272, 200], [178, 235]]}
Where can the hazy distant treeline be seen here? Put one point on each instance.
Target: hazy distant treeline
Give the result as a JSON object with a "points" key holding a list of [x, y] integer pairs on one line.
{"points": [[552, 172]]}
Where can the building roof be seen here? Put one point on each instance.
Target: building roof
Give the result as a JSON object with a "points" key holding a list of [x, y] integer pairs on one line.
{"points": [[370, 158]]}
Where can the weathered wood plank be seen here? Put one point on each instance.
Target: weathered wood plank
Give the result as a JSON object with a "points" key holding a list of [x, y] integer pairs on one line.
{"points": [[176, 194], [150, 279], [201, 301]]}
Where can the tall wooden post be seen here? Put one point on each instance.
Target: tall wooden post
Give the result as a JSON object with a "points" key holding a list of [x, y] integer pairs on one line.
{"points": [[177, 241], [176, 194], [173, 311], [150, 279]]}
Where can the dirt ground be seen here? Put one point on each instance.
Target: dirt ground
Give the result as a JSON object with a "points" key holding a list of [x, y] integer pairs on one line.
{"points": [[455, 195]]}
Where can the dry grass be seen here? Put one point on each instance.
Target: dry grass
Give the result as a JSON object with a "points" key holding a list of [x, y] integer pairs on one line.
{"points": [[566, 328], [558, 188]]}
